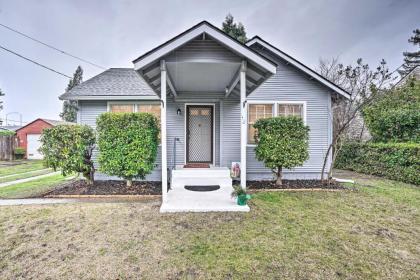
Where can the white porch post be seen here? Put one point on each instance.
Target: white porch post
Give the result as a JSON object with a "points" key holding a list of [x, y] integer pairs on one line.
{"points": [[163, 129], [244, 119]]}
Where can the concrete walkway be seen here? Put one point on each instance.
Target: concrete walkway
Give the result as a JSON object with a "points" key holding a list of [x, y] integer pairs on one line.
{"points": [[28, 179], [29, 172], [28, 201]]}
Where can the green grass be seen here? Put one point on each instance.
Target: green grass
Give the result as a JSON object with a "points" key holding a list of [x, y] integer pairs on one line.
{"points": [[24, 175], [31, 188], [23, 166], [371, 232]]}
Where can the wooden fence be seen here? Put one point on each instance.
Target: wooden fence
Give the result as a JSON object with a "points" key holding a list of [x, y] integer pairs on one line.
{"points": [[7, 147]]}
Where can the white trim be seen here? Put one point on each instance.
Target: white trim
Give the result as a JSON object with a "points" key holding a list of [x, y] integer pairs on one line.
{"points": [[135, 104], [218, 35], [244, 122], [79, 113], [221, 132], [163, 132], [214, 129], [275, 104], [298, 65], [111, 97]]}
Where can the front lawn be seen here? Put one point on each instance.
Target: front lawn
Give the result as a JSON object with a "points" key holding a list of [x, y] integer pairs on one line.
{"points": [[371, 233], [19, 166]]}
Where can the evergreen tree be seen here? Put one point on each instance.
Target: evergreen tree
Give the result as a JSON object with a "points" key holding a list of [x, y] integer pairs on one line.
{"points": [[69, 113], [235, 30], [411, 59]]}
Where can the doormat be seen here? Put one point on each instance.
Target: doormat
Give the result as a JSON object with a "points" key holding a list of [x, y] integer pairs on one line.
{"points": [[197, 165], [202, 188]]}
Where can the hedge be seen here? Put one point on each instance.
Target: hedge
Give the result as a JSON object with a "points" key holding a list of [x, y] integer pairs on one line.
{"points": [[397, 161], [128, 144], [282, 142]]}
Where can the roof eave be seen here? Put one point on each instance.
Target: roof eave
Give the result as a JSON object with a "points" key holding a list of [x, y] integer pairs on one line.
{"points": [[299, 65], [203, 27], [107, 97]]}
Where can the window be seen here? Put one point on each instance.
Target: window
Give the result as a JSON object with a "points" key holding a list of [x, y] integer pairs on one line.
{"points": [[290, 110], [121, 108], [256, 112], [272, 108], [153, 109]]}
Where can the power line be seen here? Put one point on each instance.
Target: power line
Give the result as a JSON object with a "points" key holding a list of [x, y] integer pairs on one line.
{"points": [[37, 63], [52, 47]]}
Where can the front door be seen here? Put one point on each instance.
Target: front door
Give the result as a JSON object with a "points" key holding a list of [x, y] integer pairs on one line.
{"points": [[199, 134]]}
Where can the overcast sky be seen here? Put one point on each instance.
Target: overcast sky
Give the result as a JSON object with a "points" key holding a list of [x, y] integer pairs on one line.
{"points": [[113, 33]]}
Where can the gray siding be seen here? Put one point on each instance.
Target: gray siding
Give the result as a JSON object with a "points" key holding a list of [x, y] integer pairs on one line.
{"points": [[87, 114], [90, 110], [289, 84], [176, 124]]}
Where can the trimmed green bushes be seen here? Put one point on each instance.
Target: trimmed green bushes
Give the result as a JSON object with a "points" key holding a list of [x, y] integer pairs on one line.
{"points": [[282, 142], [19, 153], [395, 116], [397, 161], [128, 144], [69, 148]]}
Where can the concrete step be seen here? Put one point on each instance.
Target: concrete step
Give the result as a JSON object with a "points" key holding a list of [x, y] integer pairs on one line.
{"points": [[200, 172], [203, 181]]}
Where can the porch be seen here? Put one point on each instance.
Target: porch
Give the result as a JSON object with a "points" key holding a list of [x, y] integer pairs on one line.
{"points": [[201, 190], [199, 76]]}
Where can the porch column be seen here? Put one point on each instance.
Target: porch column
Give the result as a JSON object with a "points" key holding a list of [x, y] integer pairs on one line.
{"points": [[244, 120], [163, 129]]}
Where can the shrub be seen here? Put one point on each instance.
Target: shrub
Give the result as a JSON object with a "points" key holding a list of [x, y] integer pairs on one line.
{"points": [[282, 142], [19, 152], [398, 161], [395, 117], [128, 144], [7, 133], [69, 147]]}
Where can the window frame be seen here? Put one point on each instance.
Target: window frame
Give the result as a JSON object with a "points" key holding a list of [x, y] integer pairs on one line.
{"points": [[275, 104], [134, 103]]}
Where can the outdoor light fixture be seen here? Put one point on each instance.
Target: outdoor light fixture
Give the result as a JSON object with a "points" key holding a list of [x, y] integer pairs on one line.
{"points": [[178, 112]]}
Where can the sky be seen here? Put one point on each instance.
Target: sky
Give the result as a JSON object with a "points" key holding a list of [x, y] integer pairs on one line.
{"points": [[113, 33]]}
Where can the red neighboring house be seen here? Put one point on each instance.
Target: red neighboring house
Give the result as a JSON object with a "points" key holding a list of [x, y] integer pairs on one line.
{"points": [[28, 136]]}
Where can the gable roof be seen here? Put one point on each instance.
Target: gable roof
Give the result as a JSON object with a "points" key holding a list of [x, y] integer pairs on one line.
{"points": [[191, 33], [51, 122], [298, 64], [120, 83]]}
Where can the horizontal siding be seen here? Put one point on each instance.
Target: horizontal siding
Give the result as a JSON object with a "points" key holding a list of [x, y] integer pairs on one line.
{"points": [[88, 113], [290, 84], [203, 51], [231, 130], [176, 124]]}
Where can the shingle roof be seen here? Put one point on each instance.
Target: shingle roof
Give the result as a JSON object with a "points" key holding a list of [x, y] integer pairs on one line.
{"points": [[112, 82], [56, 122], [10, 127]]}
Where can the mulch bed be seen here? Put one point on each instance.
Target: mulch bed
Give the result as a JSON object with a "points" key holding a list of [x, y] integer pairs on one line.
{"points": [[293, 184], [111, 187]]}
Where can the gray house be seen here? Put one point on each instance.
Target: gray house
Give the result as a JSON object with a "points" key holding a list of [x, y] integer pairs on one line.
{"points": [[208, 89]]}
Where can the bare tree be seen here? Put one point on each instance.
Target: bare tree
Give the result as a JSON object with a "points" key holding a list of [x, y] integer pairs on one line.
{"points": [[363, 85]]}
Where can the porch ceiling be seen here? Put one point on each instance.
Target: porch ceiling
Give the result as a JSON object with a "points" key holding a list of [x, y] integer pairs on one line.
{"points": [[207, 62]]}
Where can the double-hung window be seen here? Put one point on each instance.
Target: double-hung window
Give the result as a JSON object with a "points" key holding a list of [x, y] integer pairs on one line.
{"points": [[256, 112], [270, 109], [154, 109]]}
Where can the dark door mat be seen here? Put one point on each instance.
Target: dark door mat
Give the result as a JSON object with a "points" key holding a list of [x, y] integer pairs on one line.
{"points": [[202, 188]]}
